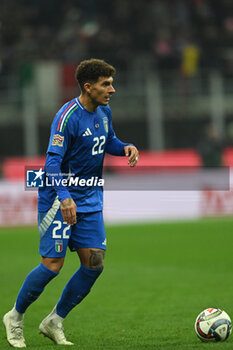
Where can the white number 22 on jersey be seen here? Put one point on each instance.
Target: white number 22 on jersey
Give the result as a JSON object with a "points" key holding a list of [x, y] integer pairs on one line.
{"points": [[98, 145], [58, 227]]}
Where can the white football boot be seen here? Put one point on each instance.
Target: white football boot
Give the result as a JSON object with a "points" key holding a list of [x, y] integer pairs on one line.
{"points": [[51, 327], [14, 329]]}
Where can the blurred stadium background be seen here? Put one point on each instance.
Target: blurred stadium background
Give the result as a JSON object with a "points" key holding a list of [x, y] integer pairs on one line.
{"points": [[174, 97]]}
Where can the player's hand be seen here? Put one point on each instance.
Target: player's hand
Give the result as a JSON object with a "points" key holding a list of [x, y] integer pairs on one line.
{"points": [[68, 210], [133, 154]]}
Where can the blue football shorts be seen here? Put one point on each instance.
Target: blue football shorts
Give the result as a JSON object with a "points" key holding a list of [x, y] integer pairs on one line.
{"points": [[56, 236]]}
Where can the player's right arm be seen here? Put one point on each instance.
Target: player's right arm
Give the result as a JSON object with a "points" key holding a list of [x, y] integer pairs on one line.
{"points": [[68, 206], [62, 130]]}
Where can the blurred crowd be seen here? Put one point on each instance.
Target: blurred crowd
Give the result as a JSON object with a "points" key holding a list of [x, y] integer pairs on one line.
{"points": [[174, 34]]}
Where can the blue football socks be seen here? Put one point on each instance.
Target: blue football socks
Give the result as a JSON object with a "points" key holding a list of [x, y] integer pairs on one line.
{"points": [[76, 289], [33, 286]]}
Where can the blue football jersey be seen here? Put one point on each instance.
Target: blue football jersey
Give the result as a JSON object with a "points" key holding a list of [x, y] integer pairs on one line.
{"points": [[81, 138]]}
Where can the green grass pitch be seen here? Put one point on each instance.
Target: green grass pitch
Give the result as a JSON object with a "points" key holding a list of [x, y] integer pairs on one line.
{"points": [[157, 278]]}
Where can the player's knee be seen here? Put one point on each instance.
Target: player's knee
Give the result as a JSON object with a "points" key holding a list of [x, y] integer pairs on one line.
{"points": [[54, 264], [96, 260]]}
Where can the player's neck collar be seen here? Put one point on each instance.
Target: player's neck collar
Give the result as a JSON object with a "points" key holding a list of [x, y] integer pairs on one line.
{"points": [[82, 107], [79, 103]]}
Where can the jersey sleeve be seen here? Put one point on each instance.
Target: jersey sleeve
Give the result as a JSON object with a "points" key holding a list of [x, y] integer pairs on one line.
{"points": [[62, 130], [114, 146], [53, 166]]}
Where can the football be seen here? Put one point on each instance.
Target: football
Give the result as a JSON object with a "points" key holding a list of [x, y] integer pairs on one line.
{"points": [[213, 325]]}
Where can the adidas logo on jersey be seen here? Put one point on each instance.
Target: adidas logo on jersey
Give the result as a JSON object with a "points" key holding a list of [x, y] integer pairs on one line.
{"points": [[87, 132]]}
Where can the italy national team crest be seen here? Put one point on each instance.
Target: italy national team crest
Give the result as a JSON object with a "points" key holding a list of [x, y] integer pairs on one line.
{"points": [[58, 246], [105, 121]]}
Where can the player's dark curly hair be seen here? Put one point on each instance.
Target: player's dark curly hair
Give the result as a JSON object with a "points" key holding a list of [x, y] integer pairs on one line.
{"points": [[90, 71]]}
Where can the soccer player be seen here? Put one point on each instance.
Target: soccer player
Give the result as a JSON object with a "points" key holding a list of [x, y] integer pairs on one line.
{"points": [[81, 133]]}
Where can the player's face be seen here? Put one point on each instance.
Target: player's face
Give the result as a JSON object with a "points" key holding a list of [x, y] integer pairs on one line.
{"points": [[101, 91]]}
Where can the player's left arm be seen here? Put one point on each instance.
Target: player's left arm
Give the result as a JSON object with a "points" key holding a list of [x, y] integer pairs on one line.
{"points": [[118, 148]]}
